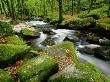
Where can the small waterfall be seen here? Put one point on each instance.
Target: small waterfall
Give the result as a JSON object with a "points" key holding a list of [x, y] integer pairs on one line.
{"points": [[36, 42]]}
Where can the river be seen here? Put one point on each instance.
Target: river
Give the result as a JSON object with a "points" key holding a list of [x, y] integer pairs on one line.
{"points": [[60, 35]]}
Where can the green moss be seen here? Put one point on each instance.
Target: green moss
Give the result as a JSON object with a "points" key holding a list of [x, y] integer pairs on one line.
{"points": [[15, 40], [5, 77], [5, 28], [79, 73], [9, 53], [104, 23], [64, 49], [104, 26], [80, 22], [37, 69], [96, 13], [28, 32]]}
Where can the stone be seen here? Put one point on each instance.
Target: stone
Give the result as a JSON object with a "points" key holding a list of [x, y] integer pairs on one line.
{"points": [[102, 52], [89, 49], [79, 73], [37, 69]]}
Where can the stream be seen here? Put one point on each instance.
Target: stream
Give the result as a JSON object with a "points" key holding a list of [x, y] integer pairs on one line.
{"points": [[59, 36]]}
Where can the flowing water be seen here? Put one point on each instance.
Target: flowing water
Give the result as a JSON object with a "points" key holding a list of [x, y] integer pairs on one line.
{"points": [[60, 35]]}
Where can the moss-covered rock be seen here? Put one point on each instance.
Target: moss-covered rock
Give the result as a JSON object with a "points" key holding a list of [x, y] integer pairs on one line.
{"points": [[79, 73], [79, 23], [48, 31], [5, 77], [10, 52], [89, 49], [103, 27], [104, 42], [102, 52], [29, 33], [63, 52], [37, 69], [104, 23], [5, 28], [14, 40], [93, 38], [48, 42]]}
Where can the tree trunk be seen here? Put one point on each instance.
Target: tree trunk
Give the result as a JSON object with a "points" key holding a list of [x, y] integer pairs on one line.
{"points": [[72, 8], [60, 11], [92, 1], [108, 8], [79, 6]]}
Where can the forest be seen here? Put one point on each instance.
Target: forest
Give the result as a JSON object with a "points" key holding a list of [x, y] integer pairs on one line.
{"points": [[54, 40]]}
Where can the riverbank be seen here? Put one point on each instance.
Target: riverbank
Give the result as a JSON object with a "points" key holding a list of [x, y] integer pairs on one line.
{"points": [[27, 59]]}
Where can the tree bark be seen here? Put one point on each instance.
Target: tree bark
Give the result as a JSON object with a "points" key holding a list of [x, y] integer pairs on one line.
{"points": [[60, 10], [72, 8]]}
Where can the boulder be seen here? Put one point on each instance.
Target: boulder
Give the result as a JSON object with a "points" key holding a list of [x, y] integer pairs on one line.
{"points": [[48, 42], [37, 69], [10, 52], [102, 52], [104, 42], [63, 52], [71, 38], [38, 19], [17, 28], [79, 73], [30, 33], [80, 23], [48, 31], [89, 49], [92, 38], [5, 77], [15, 40]]}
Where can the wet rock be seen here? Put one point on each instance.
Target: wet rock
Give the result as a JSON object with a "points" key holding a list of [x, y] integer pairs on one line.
{"points": [[17, 28], [37, 69], [102, 52], [48, 31], [79, 73], [71, 38], [92, 38], [89, 49], [38, 19], [104, 42], [48, 42], [68, 39], [5, 77]]}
